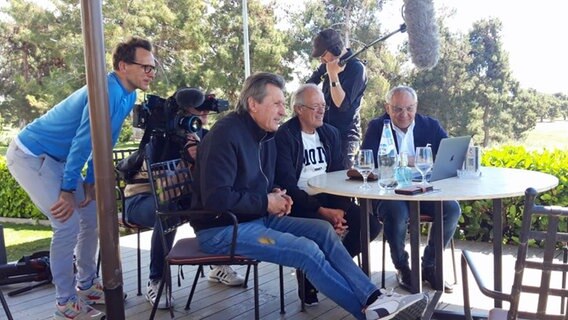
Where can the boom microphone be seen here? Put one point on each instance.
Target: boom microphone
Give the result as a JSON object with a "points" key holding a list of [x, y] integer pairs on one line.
{"points": [[423, 39], [189, 97]]}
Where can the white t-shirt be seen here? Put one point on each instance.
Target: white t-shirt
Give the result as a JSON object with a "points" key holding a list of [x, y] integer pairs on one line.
{"points": [[315, 161]]}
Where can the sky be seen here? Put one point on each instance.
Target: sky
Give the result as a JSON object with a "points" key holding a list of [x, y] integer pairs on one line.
{"points": [[533, 34]]}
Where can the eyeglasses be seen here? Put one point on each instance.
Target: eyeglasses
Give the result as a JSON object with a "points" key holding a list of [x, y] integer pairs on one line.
{"points": [[398, 110], [148, 68], [316, 107]]}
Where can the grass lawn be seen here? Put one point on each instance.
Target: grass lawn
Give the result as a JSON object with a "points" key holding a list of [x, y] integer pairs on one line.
{"points": [[25, 239]]}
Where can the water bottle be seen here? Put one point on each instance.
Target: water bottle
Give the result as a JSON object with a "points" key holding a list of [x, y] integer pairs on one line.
{"points": [[387, 158], [403, 173]]}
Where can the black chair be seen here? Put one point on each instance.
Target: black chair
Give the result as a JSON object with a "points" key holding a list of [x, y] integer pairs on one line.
{"points": [[171, 185], [549, 236], [118, 155], [424, 219], [5, 306]]}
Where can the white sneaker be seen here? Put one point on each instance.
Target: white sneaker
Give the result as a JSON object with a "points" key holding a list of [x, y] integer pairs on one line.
{"points": [[152, 294], [389, 305], [93, 295], [226, 275], [77, 310]]}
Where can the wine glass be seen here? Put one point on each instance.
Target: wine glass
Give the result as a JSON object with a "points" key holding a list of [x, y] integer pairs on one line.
{"points": [[365, 164], [423, 161]]}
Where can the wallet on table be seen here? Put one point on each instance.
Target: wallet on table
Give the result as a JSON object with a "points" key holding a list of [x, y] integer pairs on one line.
{"points": [[414, 189]]}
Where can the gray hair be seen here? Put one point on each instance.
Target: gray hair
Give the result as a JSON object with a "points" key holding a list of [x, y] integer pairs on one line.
{"points": [[255, 87], [298, 96], [398, 89]]}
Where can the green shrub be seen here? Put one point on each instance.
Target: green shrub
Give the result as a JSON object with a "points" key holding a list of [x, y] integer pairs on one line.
{"points": [[476, 221], [14, 201]]}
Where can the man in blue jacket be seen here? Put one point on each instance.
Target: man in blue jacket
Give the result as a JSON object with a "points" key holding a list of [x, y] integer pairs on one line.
{"points": [[235, 171], [410, 130], [308, 147], [46, 158], [343, 88]]}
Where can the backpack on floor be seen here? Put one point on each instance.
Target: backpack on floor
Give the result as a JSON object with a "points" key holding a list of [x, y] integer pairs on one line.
{"points": [[33, 269]]}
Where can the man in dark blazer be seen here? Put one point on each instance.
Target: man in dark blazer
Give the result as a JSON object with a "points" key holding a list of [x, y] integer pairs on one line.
{"points": [[410, 130]]}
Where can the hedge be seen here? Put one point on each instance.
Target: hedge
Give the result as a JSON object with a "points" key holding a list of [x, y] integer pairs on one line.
{"points": [[475, 224]]}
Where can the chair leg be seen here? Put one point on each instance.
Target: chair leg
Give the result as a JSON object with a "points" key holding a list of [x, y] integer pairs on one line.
{"points": [[281, 274], [5, 306], [453, 248], [256, 299], [383, 272], [563, 304], [192, 291], [245, 283], [139, 263], [302, 289], [99, 263]]}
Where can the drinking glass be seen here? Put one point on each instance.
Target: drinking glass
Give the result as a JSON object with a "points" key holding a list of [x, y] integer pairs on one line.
{"points": [[423, 161], [365, 164]]}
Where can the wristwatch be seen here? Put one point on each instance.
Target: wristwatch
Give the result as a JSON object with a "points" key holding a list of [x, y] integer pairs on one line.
{"points": [[335, 83]]}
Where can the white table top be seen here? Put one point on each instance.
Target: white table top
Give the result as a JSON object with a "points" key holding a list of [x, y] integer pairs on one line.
{"points": [[494, 183]]}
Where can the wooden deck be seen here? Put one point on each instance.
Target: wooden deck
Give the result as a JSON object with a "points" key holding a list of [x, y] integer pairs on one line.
{"points": [[216, 301]]}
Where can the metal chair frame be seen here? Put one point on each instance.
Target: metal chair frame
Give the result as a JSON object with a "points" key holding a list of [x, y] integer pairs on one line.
{"points": [[171, 185], [550, 237]]}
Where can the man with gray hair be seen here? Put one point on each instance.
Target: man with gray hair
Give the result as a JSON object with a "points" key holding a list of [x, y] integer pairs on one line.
{"points": [[308, 147], [410, 130], [235, 172]]}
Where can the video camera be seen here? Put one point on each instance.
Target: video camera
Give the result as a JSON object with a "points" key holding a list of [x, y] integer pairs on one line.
{"points": [[167, 116]]}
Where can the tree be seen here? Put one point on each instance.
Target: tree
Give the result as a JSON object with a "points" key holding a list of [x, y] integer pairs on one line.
{"points": [[196, 43], [493, 83], [444, 91]]}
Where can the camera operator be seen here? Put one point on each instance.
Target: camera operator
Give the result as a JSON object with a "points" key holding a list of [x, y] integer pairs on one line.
{"points": [[168, 144]]}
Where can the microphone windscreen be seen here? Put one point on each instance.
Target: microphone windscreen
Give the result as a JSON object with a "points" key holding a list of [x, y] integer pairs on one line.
{"points": [[189, 97], [423, 38]]}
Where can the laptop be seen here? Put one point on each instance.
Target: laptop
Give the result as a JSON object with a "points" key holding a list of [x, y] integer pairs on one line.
{"points": [[450, 158]]}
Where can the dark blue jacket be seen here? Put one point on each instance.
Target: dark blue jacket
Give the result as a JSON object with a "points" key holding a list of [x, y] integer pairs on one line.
{"points": [[353, 81], [290, 163], [234, 171], [426, 130]]}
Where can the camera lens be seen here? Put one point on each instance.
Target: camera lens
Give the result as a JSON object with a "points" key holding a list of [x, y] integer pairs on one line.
{"points": [[190, 124]]}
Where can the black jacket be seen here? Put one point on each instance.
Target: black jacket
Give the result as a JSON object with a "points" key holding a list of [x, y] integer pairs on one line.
{"points": [[290, 162], [234, 171], [353, 80]]}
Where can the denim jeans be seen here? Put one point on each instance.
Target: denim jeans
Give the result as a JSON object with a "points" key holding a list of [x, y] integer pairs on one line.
{"points": [[310, 245], [141, 210], [395, 215], [41, 178]]}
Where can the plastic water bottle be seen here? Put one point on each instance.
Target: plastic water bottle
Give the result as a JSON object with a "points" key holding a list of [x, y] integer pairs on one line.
{"points": [[387, 158]]}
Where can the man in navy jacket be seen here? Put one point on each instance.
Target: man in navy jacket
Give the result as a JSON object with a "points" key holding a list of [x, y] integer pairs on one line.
{"points": [[235, 171], [308, 147], [410, 130]]}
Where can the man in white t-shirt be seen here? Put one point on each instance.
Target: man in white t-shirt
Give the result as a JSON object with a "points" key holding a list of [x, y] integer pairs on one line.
{"points": [[308, 147]]}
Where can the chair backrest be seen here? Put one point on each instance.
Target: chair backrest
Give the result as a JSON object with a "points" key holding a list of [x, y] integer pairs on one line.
{"points": [[550, 268], [118, 155], [171, 184]]}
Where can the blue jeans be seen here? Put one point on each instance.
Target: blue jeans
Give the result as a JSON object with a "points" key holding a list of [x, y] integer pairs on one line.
{"points": [[310, 245], [41, 178], [395, 215], [141, 210]]}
